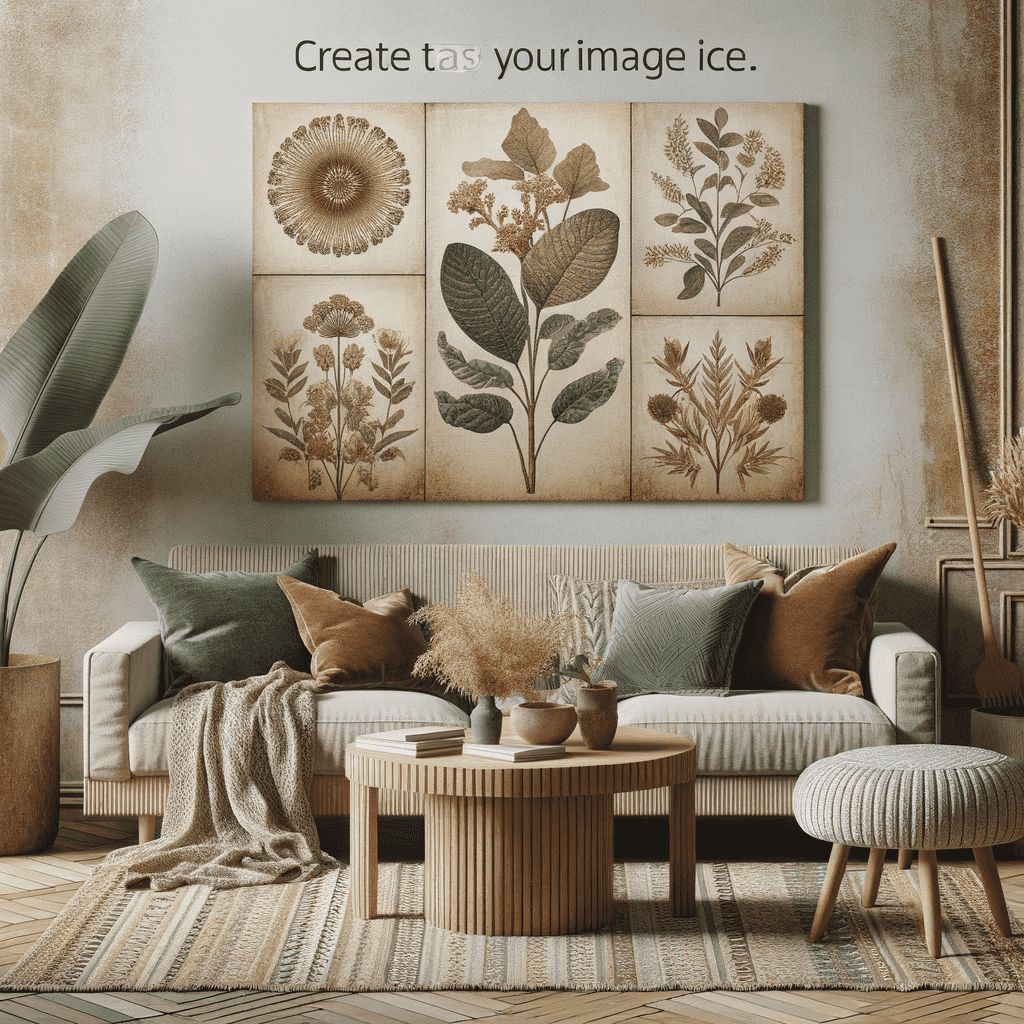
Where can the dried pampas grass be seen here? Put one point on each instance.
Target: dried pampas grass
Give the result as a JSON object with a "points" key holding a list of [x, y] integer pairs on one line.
{"points": [[485, 645], [1005, 494]]}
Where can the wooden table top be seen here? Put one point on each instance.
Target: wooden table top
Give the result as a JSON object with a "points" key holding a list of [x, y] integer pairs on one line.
{"points": [[638, 759]]}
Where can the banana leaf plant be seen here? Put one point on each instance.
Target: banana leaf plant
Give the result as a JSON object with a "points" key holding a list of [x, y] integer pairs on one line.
{"points": [[54, 373]]}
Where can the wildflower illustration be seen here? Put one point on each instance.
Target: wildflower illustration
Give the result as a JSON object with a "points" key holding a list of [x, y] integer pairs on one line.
{"points": [[719, 202], [562, 258], [328, 424], [717, 412], [338, 185]]}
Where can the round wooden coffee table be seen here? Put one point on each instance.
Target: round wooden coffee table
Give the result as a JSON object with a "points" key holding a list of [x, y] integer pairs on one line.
{"points": [[523, 848]]}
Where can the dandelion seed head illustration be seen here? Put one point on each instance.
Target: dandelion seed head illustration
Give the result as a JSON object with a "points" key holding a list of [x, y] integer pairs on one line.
{"points": [[340, 317], [338, 185]]}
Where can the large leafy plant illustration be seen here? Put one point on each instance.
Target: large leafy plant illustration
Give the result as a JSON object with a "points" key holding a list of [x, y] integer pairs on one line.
{"points": [[54, 373], [560, 261], [332, 430], [717, 412], [721, 208]]}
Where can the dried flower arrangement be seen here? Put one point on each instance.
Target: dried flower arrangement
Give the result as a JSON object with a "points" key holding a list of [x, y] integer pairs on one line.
{"points": [[1005, 494], [485, 646]]}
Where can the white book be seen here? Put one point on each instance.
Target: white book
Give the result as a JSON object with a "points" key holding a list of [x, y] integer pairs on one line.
{"points": [[507, 752], [419, 735], [425, 748]]}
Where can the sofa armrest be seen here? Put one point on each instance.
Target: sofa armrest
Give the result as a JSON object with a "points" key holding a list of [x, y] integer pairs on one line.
{"points": [[904, 676], [120, 679]]}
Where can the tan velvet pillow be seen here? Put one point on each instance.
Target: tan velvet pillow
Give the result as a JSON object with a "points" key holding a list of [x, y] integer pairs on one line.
{"points": [[355, 645], [809, 631]]}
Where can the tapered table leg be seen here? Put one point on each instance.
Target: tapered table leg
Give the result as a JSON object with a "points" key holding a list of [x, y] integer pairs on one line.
{"points": [[830, 890], [682, 850], [989, 875], [362, 843], [928, 869], [905, 859], [873, 875]]}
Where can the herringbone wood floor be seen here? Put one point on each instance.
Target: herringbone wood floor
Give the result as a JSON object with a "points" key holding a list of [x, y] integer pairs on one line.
{"points": [[33, 889]]}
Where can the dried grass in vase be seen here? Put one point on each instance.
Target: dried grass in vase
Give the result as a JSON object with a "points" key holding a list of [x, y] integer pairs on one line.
{"points": [[485, 646], [1005, 494]]}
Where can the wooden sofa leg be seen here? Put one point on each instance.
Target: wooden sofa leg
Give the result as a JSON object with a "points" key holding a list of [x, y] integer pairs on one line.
{"points": [[147, 828]]}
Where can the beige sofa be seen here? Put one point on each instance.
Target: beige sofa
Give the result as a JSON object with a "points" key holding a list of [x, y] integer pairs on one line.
{"points": [[751, 745]]}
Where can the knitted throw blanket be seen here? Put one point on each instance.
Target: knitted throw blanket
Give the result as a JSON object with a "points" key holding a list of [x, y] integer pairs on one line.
{"points": [[238, 812]]}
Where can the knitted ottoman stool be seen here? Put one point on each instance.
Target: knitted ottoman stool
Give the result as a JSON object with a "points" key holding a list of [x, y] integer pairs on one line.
{"points": [[923, 797]]}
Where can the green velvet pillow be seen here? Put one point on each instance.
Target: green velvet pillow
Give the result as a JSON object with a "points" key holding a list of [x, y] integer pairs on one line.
{"points": [[675, 641], [225, 625]]}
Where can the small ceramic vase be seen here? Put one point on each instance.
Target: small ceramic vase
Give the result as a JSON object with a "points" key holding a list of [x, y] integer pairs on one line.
{"points": [[485, 720], [598, 712]]}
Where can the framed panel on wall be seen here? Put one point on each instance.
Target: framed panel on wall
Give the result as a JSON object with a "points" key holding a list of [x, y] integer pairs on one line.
{"points": [[479, 302]]}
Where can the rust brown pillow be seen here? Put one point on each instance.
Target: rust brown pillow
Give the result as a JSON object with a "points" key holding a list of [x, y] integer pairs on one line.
{"points": [[809, 630], [355, 645]]}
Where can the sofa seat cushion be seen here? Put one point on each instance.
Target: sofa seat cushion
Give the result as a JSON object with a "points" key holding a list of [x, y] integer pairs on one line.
{"points": [[757, 732], [341, 717]]}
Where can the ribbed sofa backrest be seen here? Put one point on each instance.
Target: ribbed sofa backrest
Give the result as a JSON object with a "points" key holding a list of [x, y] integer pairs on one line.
{"points": [[434, 572]]}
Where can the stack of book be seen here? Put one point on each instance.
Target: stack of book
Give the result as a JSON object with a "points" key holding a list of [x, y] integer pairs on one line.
{"points": [[423, 742], [509, 752]]}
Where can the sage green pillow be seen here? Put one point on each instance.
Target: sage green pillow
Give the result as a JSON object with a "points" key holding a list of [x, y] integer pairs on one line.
{"points": [[675, 641], [225, 625]]}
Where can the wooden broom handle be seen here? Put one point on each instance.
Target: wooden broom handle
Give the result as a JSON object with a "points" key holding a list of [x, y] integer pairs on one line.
{"points": [[965, 471]]}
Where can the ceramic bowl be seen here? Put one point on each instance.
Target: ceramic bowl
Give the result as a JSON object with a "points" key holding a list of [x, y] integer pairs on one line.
{"points": [[543, 721]]}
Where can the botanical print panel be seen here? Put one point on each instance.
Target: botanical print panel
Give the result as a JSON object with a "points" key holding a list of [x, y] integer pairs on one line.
{"points": [[718, 408], [338, 188], [718, 209], [528, 301], [338, 393]]}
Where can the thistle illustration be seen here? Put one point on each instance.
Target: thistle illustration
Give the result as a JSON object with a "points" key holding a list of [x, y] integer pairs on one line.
{"points": [[721, 417], [735, 243], [339, 185], [560, 262], [332, 429]]}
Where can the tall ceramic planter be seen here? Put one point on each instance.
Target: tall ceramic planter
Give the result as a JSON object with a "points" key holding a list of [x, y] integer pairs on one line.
{"points": [[598, 711], [29, 753]]}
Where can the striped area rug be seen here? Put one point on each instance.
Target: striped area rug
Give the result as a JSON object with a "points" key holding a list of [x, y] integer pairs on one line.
{"points": [[750, 933]]}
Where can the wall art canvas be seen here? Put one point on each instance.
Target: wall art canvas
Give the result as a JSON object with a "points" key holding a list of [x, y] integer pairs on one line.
{"points": [[528, 301], [338, 388], [505, 302], [718, 209], [718, 408]]}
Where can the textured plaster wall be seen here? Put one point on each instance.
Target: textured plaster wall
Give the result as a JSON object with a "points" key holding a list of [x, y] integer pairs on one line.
{"points": [[113, 105]]}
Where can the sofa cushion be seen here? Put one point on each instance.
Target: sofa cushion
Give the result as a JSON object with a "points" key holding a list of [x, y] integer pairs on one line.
{"points": [[665, 641], [342, 715], [353, 643], [225, 625], [762, 732], [810, 630], [590, 608]]}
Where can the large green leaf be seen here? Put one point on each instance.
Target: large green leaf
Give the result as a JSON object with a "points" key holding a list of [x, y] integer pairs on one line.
{"points": [[482, 300], [477, 373], [568, 343], [479, 413], [576, 401], [58, 367], [569, 261], [44, 492]]}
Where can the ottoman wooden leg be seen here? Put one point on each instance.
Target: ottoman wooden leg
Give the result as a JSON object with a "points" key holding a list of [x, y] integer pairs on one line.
{"points": [[993, 888], [830, 890], [872, 877], [928, 870], [906, 858]]}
